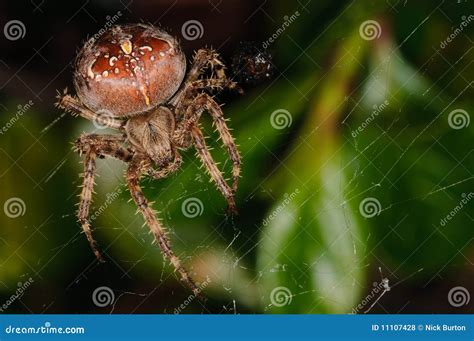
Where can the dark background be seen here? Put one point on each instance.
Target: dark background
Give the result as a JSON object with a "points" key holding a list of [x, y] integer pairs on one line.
{"points": [[317, 245]]}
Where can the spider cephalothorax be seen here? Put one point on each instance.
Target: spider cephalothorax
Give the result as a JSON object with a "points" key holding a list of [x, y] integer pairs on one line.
{"points": [[131, 79]]}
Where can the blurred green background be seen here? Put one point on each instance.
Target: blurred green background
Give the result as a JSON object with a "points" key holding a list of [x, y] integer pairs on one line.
{"points": [[353, 154]]}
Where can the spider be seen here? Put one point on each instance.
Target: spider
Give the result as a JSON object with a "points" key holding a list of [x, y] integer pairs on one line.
{"points": [[132, 78]]}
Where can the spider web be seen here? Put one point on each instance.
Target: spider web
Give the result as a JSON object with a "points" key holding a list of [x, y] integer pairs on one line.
{"points": [[235, 247]]}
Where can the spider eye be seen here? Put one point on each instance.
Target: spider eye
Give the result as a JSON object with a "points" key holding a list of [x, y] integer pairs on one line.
{"points": [[129, 69]]}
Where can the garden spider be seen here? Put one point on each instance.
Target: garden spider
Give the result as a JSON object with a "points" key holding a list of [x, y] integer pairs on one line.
{"points": [[131, 79]]}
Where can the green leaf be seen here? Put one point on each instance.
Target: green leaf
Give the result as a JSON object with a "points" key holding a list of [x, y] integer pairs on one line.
{"points": [[312, 252]]}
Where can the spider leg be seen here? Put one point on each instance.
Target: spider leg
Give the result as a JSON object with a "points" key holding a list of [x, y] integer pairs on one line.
{"points": [[211, 167], [214, 83], [86, 198], [91, 146], [71, 104], [191, 117], [217, 115], [203, 59], [133, 181], [105, 145], [169, 168]]}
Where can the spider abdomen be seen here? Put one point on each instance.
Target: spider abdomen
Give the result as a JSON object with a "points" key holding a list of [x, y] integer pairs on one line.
{"points": [[129, 69]]}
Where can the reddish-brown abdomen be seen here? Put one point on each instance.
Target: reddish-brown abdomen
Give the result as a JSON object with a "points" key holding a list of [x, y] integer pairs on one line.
{"points": [[129, 70]]}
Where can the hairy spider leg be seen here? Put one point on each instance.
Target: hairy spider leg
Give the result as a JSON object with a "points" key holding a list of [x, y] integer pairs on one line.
{"points": [[167, 169], [191, 117], [86, 198], [217, 115], [202, 60], [71, 104], [133, 180], [214, 172], [92, 146]]}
